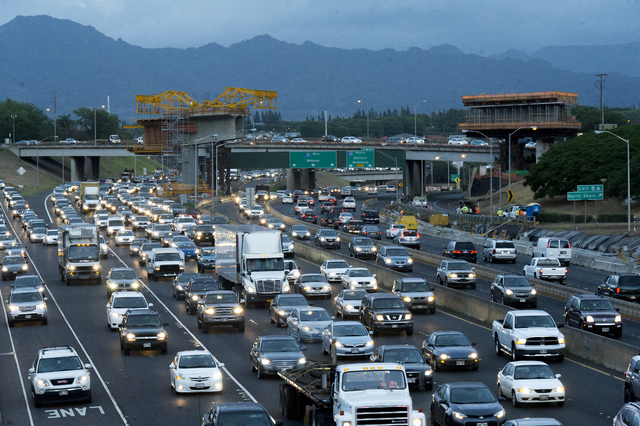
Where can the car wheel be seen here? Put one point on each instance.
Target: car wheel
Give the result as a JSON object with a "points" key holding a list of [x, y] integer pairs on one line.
{"points": [[374, 331], [127, 350], [164, 350], [514, 401], [496, 346], [500, 391], [628, 395], [45, 321], [334, 355], [260, 373], [514, 353], [410, 332], [502, 299], [240, 328]]}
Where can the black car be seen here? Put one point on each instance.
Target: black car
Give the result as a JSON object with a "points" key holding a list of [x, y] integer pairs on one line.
{"points": [[370, 215], [180, 282], [195, 289], [301, 232], [136, 245], [353, 226], [206, 259], [466, 403], [450, 349], [142, 329], [238, 413], [203, 234], [283, 305], [371, 231], [593, 313], [385, 311], [270, 354], [122, 279], [363, 248], [621, 286], [327, 238], [331, 219], [309, 216], [220, 307], [461, 250], [419, 373], [145, 249]]}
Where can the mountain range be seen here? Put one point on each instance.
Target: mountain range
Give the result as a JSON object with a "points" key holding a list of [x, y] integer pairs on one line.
{"points": [[46, 57]]}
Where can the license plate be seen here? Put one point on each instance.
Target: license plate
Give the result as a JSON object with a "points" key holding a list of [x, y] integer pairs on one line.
{"points": [[27, 316], [543, 351], [199, 385], [459, 362], [523, 300], [394, 326], [563, 252], [146, 345], [605, 330], [63, 392], [483, 424], [355, 351], [419, 306], [544, 397]]}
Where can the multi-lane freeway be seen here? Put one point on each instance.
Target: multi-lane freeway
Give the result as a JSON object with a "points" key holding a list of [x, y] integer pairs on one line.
{"points": [[135, 389]]}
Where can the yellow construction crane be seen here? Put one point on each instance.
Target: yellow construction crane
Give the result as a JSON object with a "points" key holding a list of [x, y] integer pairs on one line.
{"points": [[231, 99]]}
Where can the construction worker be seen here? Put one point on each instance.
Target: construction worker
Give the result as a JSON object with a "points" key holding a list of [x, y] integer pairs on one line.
{"points": [[500, 212], [387, 382]]}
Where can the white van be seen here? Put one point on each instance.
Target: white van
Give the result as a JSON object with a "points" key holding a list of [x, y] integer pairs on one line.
{"points": [[114, 224], [558, 248]]}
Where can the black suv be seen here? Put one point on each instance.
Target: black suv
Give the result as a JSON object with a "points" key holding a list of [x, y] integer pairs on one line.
{"points": [[197, 286], [202, 234], [142, 329], [385, 311], [593, 313], [370, 215], [621, 286], [220, 307], [331, 219], [461, 250]]}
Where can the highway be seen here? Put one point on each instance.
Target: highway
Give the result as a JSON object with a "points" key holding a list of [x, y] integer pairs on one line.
{"points": [[135, 389]]}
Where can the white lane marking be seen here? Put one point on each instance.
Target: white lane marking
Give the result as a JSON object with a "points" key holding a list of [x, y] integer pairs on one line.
{"points": [[95, 369], [46, 209], [195, 339]]}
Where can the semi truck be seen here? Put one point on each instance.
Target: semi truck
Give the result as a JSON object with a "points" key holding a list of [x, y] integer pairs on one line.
{"points": [[79, 253], [250, 261], [349, 394], [89, 196]]}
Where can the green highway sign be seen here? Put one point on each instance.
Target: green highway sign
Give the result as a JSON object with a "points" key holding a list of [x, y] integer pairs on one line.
{"points": [[454, 177], [581, 196], [357, 159], [312, 160], [590, 188]]}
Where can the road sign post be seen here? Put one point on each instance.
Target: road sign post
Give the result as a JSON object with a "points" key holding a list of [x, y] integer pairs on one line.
{"points": [[312, 160]]}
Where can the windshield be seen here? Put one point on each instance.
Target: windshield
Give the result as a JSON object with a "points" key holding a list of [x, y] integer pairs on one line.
{"points": [[327, 233], [373, 379], [204, 228], [314, 316], [204, 286], [596, 305], [180, 238], [530, 372], [32, 296], [187, 244], [218, 220], [354, 295], [144, 321], [459, 266], [359, 273], [340, 264], [284, 345], [83, 252], [548, 262], [27, 281], [116, 223], [13, 260], [505, 245], [534, 321], [313, 278], [388, 303], [629, 281], [408, 355], [66, 363], [397, 252], [166, 257], [340, 330], [129, 302], [446, 340], [220, 298], [516, 282], [197, 361], [162, 227], [123, 274], [258, 265], [415, 286], [298, 300], [362, 242], [209, 251], [475, 395]]}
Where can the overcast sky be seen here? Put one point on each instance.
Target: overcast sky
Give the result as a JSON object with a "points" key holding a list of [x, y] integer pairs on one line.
{"points": [[483, 27]]}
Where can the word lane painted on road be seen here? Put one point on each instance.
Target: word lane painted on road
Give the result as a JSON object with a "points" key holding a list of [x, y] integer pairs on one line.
{"points": [[62, 413], [313, 159]]}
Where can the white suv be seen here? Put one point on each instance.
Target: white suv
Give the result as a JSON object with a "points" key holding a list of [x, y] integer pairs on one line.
{"points": [[120, 302], [58, 374]]}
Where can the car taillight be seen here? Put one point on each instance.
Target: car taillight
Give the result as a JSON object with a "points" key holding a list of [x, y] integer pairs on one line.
{"points": [[566, 270], [494, 251], [474, 252], [618, 290], [457, 251], [540, 271], [515, 251]]}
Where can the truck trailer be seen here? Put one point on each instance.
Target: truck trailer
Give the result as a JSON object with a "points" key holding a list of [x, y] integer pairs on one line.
{"points": [[89, 196]]}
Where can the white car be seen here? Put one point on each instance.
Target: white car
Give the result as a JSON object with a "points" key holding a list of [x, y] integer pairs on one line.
{"points": [[530, 382], [292, 271], [348, 302], [100, 220], [458, 141], [414, 139], [120, 302], [287, 199], [332, 269], [395, 229], [51, 237], [124, 237], [419, 202], [372, 190], [344, 218], [349, 203], [195, 371], [359, 278], [351, 139], [298, 140]]}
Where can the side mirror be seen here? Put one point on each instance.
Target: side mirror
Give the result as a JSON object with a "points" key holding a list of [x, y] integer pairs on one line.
{"points": [[473, 343], [303, 348], [165, 324], [45, 299], [558, 376], [172, 366], [32, 370], [120, 325], [151, 305]]}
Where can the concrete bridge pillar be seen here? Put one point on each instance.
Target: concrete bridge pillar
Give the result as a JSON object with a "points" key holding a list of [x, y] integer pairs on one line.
{"points": [[293, 179], [77, 168], [413, 178], [94, 168], [301, 179]]}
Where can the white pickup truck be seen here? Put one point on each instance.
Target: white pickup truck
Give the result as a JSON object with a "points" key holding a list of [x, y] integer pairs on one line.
{"points": [[528, 333], [546, 268]]}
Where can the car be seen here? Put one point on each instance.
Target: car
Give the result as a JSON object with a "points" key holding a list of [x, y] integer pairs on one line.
{"points": [[632, 380], [533, 421], [593, 313], [203, 234], [121, 279], [287, 199], [419, 372], [419, 202], [514, 290], [456, 273], [333, 269], [371, 231], [385, 312], [350, 139], [621, 286], [307, 324], [145, 250], [282, 305], [206, 259], [408, 238], [457, 141], [122, 301], [188, 248], [308, 215], [271, 354], [415, 293], [415, 140], [291, 270], [37, 234], [300, 207], [26, 304], [312, 285], [136, 244], [7, 241], [238, 413], [288, 248], [370, 215], [450, 349], [29, 281], [362, 247], [329, 138], [139, 222], [395, 257], [57, 374], [463, 403], [16, 249], [220, 307], [343, 218], [276, 223], [114, 138], [180, 282], [346, 339], [464, 250], [629, 415], [354, 278], [372, 190], [142, 329], [526, 382], [195, 289], [331, 218], [195, 371], [347, 302], [13, 265], [530, 145], [124, 237], [327, 238], [478, 142], [300, 232], [394, 229], [114, 225], [391, 188], [499, 250], [349, 203], [264, 218], [353, 226]]}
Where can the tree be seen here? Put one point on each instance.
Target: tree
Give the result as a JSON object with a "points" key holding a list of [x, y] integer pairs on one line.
{"points": [[30, 122], [105, 124]]}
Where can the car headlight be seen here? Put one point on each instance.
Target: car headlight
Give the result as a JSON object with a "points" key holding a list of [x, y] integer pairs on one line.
{"points": [[524, 390], [524, 341], [444, 356], [533, 292], [71, 268], [337, 238], [265, 361], [472, 275], [457, 415], [237, 310], [305, 328], [338, 344], [5, 269], [407, 317], [115, 315], [250, 289], [500, 414], [321, 238], [379, 317], [509, 292], [82, 379], [96, 267], [358, 248], [369, 344], [210, 311], [590, 318], [113, 285], [42, 383], [473, 355], [453, 275], [13, 308], [195, 297], [162, 335], [286, 288], [131, 336], [618, 318], [559, 389], [561, 340], [431, 298], [302, 360], [406, 299]]}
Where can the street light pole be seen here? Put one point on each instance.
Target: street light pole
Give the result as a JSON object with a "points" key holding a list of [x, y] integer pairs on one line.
{"points": [[415, 118], [395, 160], [13, 118], [510, 134], [367, 106], [490, 173], [628, 176], [217, 165]]}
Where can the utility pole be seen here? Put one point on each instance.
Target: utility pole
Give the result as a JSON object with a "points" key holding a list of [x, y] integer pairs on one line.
{"points": [[55, 118], [600, 83]]}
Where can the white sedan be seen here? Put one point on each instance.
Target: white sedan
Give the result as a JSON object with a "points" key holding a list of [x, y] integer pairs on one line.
{"points": [[51, 237], [195, 371], [394, 230], [287, 199], [124, 237], [332, 269], [530, 382], [351, 139]]}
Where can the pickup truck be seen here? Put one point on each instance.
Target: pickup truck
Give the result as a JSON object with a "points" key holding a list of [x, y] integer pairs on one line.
{"points": [[546, 268], [528, 333]]}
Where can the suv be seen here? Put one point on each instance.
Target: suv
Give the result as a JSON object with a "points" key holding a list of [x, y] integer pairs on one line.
{"points": [[456, 273], [499, 250], [461, 250], [394, 229], [220, 308], [594, 313], [206, 259], [327, 238], [26, 304], [370, 215], [415, 293], [58, 374], [632, 380], [385, 311], [621, 286], [238, 413], [120, 279], [514, 290], [142, 329], [395, 257], [195, 289]]}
